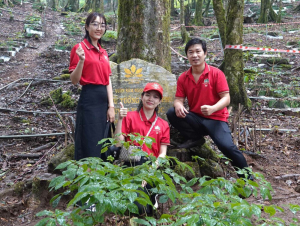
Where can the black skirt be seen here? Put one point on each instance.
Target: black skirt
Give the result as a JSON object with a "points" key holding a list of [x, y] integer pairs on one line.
{"points": [[91, 121]]}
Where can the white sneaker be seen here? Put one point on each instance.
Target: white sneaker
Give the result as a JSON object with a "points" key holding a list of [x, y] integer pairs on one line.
{"points": [[92, 208], [156, 203]]}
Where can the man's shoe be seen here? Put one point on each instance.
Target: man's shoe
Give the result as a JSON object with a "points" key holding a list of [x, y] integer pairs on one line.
{"points": [[191, 143]]}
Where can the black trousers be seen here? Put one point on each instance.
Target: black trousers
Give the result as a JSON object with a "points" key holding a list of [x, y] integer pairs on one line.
{"points": [[195, 127], [148, 209]]}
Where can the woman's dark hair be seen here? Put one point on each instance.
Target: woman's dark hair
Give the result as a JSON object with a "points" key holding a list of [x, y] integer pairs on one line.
{"points": [[141, 104], [195, 41], [91, 18]]}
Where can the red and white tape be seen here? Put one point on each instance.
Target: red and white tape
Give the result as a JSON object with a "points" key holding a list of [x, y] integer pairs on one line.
{"points": [[260, 49], [248, 25]]}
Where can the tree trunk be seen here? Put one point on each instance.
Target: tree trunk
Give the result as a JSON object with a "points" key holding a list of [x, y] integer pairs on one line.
{"points": [[87, 6], [173, 12], [297, 8], [234, 64], [143, 31], [231, 31], [73, 5], [266, 12], [198, 13], [207, 8], [98, 6], [184, 34], [221, 19], [53, 4]]}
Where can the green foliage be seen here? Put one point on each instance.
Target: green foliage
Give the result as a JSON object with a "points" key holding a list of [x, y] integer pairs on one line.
{"points": [[114, 189], [65, 43], [110, 36]]}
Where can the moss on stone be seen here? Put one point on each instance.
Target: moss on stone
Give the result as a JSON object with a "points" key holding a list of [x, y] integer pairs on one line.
{"points": [[19, 188], [62, 156], [65, 76], [57, 78], [210, 168], [114, 58], [65, 71], [287, 66], [186, 173], [56, 95], [67, 101]]}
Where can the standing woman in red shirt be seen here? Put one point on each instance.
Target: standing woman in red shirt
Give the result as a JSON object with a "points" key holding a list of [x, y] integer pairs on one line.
{"points": [[89, 65]]}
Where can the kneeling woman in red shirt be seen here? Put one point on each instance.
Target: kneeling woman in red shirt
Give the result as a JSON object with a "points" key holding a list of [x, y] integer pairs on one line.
{"points": [[141, 121]]}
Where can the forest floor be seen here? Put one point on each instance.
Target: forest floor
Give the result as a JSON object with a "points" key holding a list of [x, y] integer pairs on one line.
{"points": [[273, 151]]}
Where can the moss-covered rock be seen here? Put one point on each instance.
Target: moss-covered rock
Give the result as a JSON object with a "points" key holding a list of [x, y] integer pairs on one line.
{"points": [[65, 71], [67, 101], [19, 188], [204, 151], [114, 58], [62, 156], [186, 173], [278, 61], [286, 66], [56, 96], [210, 168], [65, 76]]}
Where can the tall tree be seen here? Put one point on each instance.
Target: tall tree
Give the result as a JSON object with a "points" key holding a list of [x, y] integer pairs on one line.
{"points": [[267, 13], [231, 30], [198, 13], [93, 5], [143, 31], [72, 5], [184, 34], [207, 8], [98, 6], [173, 12]]}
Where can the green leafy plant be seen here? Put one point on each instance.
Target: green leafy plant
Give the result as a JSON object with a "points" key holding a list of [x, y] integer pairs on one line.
{"points": [[114, 189]]}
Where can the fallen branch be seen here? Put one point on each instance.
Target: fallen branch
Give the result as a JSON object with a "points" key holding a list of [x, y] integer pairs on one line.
{"points": [[63, 122], [42, 147], [45, 154], [34, 79], [287, 176], [22, 93], [271, 129], [36, 112], [26, 155], [31, 135]]}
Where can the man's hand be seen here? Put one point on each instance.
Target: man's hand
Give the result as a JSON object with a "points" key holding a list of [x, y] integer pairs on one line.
{"points": [[180, 110], [123, 111], [207, 110]]}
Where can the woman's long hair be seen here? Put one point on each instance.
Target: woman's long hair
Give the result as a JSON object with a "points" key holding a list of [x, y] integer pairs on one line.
{"points": [[91, 17], [141, 105]]}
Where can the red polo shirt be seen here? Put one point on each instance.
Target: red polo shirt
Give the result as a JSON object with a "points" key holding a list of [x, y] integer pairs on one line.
{"points": [[136, 122], [96, 69], [206, 91]]}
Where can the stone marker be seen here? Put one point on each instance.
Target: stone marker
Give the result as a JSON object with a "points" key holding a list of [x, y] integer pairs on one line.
{"points": [[129, 79]]}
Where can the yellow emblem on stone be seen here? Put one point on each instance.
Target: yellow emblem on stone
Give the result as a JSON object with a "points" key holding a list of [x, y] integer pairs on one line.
{"points": [[133, 72]]}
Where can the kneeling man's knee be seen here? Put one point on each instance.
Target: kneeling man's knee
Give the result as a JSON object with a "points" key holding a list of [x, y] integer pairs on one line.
{"points": [[171, 113]]}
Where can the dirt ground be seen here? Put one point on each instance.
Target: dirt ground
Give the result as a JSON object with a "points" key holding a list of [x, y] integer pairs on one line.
{"points": [[274, 151]]}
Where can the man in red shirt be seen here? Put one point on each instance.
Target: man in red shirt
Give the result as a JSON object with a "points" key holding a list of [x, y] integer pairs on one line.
{"points": [[207, 92]]}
